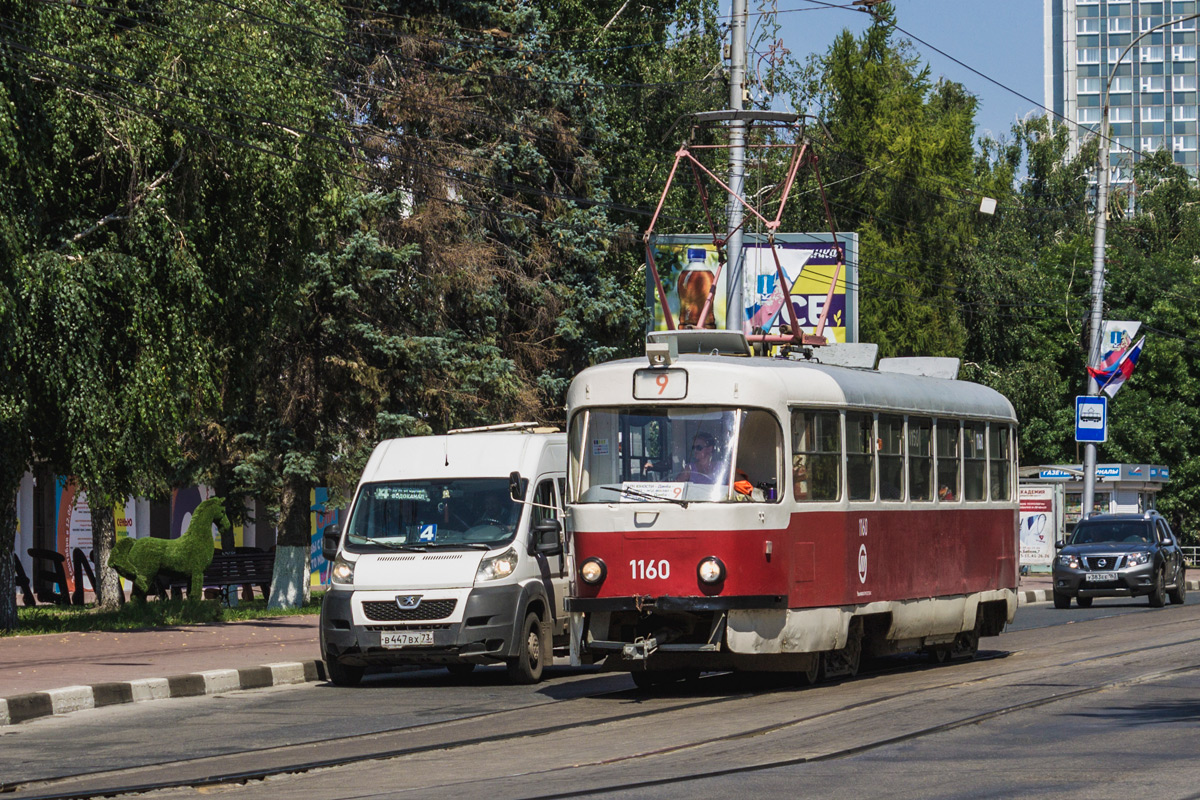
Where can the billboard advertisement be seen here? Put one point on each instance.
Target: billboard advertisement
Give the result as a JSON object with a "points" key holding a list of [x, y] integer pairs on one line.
{"points": [[1037, 524], [687, 267]]}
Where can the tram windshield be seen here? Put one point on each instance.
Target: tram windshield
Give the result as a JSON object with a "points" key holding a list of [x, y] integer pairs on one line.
{"points": [[416, 515], [694, 454]]}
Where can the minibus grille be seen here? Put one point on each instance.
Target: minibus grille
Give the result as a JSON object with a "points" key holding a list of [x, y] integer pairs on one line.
{"points": [[389, 611]]}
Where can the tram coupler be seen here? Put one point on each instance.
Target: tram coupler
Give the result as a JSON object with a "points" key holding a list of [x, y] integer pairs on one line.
{"points": [[640, 650]]}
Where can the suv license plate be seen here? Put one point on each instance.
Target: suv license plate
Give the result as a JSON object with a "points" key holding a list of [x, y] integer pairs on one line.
{"points": [[1100, 577], [405, 638]]}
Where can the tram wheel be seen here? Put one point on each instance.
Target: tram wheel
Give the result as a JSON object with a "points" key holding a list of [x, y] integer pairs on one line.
{"points": [[939, 654], [966, 644], [813, 674], [843, 663]]}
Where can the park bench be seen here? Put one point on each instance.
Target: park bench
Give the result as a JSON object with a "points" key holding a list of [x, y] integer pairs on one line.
{"points": [[246, 567]]}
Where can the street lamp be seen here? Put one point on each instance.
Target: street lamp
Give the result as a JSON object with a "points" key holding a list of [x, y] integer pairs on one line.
{"points": [[1089, 451]]}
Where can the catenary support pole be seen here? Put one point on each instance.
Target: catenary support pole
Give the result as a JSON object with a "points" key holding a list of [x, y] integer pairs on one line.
{"points": [[734, 303]]}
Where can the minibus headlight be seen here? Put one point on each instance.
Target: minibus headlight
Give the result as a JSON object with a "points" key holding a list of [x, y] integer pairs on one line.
{"points": [[497, 567], [343, 571], [592, 571], [711, 570]]}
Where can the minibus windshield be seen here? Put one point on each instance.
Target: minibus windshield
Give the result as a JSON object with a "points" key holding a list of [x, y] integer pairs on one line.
{"points": [[464, 512]]}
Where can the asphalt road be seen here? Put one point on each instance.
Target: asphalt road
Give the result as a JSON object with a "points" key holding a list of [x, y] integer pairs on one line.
{"points": [[1093, 703]]}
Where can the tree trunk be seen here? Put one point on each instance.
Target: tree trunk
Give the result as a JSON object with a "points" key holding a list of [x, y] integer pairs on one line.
{"points": [[104, 536], [10, 486], [8, 541], [290, 581]]}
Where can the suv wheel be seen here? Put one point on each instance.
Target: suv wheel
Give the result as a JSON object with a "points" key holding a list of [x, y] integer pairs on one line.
{"points": [[1179, 594], [1158, 594], [1062, 600], [1084, 602]]}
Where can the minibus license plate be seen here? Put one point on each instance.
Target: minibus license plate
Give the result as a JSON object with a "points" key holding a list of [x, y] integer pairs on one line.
{"points": [[1100, 577], [405, 638]]}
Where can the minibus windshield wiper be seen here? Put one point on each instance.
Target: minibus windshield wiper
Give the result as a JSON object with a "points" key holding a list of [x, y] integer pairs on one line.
{"points": [[470, 545], [390, 545], [644, 495]]}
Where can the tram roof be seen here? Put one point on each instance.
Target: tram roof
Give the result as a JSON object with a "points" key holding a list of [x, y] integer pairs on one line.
{"points": [[809, 383]]}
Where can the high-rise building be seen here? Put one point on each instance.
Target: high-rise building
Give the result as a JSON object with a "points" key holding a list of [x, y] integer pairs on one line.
{"points": [[1152, 96]]}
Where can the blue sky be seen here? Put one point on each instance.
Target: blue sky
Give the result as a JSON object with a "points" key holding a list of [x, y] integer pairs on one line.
{"points": [[1002, 39]]}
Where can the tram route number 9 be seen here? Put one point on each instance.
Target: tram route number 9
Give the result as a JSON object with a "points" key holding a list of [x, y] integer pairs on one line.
{"points": [[659, 384], [649, 570]]}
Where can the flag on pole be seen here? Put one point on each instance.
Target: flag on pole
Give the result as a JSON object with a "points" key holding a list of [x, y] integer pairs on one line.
{"points": [[1116, 367]]}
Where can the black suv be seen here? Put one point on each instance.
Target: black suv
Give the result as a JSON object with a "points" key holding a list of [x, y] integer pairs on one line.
{"points": [[1120, 555]]}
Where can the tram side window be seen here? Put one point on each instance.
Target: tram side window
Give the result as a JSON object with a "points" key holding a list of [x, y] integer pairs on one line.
{"points": [[920, 458], [758, 457], [816, 455], [1000, 461], [974, 460], [947, 460], [891, 457], [860, 455]]}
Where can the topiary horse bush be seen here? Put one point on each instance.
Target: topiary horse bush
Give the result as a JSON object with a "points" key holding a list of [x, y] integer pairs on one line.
{"points": [[140, 560]]}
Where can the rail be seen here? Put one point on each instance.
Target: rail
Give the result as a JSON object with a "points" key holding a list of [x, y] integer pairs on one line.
{"points": [[1192, 554]]}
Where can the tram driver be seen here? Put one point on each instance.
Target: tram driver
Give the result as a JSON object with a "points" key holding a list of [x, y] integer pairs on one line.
{"points": [[702, 468]]}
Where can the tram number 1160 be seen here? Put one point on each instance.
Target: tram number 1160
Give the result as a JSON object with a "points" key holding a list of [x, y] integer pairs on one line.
{"points": [[649, 570]]}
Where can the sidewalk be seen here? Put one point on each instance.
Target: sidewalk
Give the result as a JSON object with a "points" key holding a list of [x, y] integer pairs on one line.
{"points": [[58, 673]]}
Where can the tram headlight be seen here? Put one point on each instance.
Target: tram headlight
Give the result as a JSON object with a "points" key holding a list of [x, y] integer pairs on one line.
{"points": [[711, 570], [592, 571]]}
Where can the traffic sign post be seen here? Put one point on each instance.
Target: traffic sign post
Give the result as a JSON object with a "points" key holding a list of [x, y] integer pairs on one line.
{"points": [[1091, 419]]}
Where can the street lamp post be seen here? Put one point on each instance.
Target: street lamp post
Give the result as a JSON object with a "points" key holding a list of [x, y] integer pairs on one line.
{"points": [[1096, 322]]}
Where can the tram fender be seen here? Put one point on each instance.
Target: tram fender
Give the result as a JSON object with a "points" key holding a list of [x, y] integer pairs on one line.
{"points": [[933, 616], [807, 630]]}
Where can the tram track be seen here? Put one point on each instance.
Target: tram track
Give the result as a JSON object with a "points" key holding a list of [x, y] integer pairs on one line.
{"points": [[574, 715]]}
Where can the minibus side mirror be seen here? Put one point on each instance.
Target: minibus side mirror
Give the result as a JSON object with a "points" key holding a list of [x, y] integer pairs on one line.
{"points": [[329, 542], [514, 486], [546, 536]]}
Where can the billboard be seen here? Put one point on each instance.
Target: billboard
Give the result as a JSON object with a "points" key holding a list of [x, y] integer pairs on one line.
{"points": [[1038, 528], [687, 265]]}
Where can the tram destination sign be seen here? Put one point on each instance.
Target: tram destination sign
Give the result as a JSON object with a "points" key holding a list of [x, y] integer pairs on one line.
{"points": [[1091, 419]]}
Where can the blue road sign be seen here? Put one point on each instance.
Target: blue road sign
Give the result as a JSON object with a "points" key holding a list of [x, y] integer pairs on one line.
{"points": [[1091, 419]]}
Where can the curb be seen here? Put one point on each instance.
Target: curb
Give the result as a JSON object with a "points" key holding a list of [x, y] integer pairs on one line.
{"points": [[23, 707], [1027, 596]]}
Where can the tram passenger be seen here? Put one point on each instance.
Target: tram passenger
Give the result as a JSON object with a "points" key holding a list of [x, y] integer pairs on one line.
{"points": [[702, 468], [945, 495]]}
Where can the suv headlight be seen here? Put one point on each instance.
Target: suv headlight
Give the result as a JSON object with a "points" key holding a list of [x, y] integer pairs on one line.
{"points": [[1068, 560], [343, 571], [1136, 559], [496, 567]]}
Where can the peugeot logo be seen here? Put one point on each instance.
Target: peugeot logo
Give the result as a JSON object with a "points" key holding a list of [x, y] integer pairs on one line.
{"points": [[407, 602]]}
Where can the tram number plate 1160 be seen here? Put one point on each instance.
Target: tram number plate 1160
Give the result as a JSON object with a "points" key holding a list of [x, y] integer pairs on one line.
{"points": [[660, 384], [405, 638]]}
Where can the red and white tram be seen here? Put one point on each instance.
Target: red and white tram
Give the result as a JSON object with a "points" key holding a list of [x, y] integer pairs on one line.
{"points": [[732, 512]]}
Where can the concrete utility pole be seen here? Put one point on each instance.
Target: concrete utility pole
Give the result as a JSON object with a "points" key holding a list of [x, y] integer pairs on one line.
{"points": [[734, 304], [1096, 322]]}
